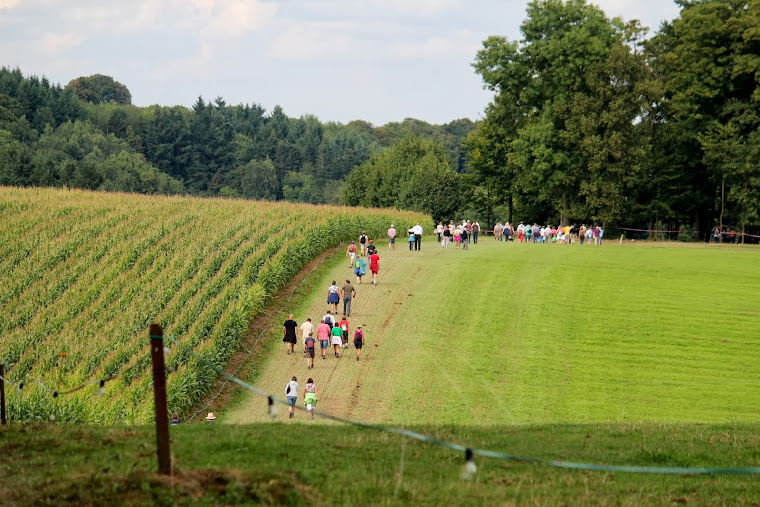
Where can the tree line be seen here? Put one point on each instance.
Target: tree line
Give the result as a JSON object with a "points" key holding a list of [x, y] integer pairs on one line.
{"points": [[87, 134], [593, 121]]}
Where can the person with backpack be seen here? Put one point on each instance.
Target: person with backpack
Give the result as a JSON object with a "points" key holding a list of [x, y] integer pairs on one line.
{"points": [[351, 253], [310, 397], [358, 341], [343, 324], [309, 349], [360, 269], [410, 232], [363, 240], [291, 393]]}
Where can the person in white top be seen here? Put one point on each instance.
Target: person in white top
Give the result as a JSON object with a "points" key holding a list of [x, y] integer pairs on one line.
{"points": [[291, 393], [306, 329], [439, 231], [392, 237], [417, 229]]}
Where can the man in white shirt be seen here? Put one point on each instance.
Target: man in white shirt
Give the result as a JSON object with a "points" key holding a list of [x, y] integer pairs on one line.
{"points": [[417, 229]]}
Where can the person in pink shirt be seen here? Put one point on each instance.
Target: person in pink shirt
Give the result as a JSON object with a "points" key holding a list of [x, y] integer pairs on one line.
{"points": [[323, 335]]}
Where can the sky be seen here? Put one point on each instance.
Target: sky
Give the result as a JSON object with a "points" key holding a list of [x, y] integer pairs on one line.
{"points": [[340, 60]]}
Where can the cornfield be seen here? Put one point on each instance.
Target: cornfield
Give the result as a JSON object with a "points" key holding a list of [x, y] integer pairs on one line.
{"points": [[82, 274]]}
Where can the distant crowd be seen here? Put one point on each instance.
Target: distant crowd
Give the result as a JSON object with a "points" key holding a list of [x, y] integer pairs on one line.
{"points": [[568, 234]]}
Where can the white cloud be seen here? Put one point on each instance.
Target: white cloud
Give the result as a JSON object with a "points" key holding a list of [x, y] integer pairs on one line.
{"points": [[60, 42], [233, 18], [305, 41], [459, 44], [414, 7]]}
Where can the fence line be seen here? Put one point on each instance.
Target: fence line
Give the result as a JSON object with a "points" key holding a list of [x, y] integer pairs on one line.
{"points": [[483, 452]]}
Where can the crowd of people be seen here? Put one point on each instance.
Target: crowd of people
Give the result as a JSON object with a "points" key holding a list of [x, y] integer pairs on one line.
{"points": [[568, 234], [332, 333], [461, 235]]}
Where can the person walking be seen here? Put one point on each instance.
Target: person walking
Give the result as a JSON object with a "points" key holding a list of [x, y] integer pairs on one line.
{"points": [[417, 236], [351, 252], [309, 349], [465, 239], [363, 239], [358, 341], [348, 293], [336, 338], [446, 237], [291, 393], [374, 266], [475, 232], [323, 334], [333, 298], [410, 232], [392, 238], [371, 248], [307, 329], [439, 231], [343, 324], [310, 397], [360, 269], [289, 334]]}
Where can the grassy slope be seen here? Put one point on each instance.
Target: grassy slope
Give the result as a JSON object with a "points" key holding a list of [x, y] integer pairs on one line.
{"points": [[515, 334], [298, 464], [494, 344]]}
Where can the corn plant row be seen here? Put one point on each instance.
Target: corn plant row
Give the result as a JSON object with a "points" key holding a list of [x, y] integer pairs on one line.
{"points": [[202, 268]]}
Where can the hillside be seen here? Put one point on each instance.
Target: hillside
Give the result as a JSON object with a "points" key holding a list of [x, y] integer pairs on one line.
{"points": [[83, 273], [505, 334]]}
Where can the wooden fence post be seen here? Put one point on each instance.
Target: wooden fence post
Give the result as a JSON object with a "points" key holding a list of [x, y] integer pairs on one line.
{"points": [[2, 393], [159, 395]]}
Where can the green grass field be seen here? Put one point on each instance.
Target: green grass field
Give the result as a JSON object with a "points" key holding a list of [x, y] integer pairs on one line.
{"points": [[633, 354], [297, 464], [508, 334]]}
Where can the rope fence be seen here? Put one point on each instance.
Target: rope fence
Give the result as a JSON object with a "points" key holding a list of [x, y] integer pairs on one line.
{"points": [[469, 451]]}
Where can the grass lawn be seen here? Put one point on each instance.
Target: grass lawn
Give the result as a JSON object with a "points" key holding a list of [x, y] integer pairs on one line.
{"points": [[623, 354], [508, 334], [299, 464]]}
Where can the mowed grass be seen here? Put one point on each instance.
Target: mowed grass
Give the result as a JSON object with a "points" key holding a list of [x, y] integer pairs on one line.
{"points": [[507, 334], [300, 464]]}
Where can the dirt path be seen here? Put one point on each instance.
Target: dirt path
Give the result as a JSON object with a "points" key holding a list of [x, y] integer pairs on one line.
{"points": [[345, 384]]}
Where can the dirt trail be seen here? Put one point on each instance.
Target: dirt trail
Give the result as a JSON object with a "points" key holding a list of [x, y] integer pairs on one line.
{"points": [[346, 385]]}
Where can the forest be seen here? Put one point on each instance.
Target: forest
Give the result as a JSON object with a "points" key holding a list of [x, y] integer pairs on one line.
{"points": [[593, 119], [87, 134]]}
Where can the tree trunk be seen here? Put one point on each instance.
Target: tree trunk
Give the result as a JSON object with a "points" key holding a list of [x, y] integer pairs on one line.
{"points": [[722, 199], [511, 205], [564, 218]]}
